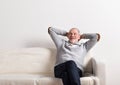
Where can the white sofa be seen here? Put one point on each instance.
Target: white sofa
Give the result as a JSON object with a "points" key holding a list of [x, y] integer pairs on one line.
{"points": [[34, 66]]}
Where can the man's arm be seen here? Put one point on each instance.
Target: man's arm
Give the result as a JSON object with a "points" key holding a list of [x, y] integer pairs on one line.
{"points": [[57, 31], [85, 37], [54, 33], [93, 39]]}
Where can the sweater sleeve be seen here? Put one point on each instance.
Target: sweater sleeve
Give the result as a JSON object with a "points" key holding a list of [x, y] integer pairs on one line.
{"points": [[54, 33], [93, 37]]}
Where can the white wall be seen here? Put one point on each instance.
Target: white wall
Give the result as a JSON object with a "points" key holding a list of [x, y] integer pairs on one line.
{"points": [[24, 23]]}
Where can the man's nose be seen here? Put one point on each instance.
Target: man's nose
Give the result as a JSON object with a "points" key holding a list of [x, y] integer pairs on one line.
{"points": [[72, 35]]}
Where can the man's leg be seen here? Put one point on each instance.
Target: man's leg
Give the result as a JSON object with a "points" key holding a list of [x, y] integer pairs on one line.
{"points": [[61, 72], [73, 73], [65, 78]]}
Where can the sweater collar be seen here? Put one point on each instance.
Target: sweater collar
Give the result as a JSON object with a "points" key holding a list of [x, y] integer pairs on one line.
{"points": [[77, 43]]}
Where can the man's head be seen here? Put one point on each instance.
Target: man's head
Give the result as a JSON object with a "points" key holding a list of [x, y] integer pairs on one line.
{"points": [[73, 35]]}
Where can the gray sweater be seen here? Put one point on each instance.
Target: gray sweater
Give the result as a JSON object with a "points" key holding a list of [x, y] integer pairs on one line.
{"points": [[67, 51]]}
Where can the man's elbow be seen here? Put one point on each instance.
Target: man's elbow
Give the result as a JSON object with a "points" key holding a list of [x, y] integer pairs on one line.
{"points": [[49, 29], [98, 36]]}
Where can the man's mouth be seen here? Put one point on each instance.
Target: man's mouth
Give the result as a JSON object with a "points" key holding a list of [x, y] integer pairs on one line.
{"points": [[72, 38]]}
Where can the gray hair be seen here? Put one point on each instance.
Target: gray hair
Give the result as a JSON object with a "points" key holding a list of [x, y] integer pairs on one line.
{"points": [[76, 29]]}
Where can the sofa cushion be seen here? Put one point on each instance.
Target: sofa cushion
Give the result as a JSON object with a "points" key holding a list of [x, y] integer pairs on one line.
{"points": [[17, 82], [88, 69], [57, 81], [27, 79], [27, 60]]}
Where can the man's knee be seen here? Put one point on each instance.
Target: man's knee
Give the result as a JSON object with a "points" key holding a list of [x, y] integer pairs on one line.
{"points": [[71, 63]]}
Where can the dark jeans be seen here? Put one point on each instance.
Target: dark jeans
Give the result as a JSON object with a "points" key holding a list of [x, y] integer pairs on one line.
{"points": [[69, 73]]}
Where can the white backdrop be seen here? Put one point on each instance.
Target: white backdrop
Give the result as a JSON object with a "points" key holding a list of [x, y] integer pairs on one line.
{"points": [[24, 23]]}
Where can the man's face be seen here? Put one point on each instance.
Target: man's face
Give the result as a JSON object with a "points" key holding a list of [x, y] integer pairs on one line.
{"points": [[73, 35]]}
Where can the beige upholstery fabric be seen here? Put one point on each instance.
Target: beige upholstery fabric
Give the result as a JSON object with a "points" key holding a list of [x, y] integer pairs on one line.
{"points": [[34, 66], [88, 65], [16, 82], [29, 60], [25, 79]]}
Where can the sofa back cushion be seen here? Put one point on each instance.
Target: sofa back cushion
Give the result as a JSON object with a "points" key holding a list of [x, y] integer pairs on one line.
{"points": [[29, 60]]}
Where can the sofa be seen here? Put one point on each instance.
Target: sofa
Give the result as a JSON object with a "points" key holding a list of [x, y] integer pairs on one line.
{"points": [[35, 66]]}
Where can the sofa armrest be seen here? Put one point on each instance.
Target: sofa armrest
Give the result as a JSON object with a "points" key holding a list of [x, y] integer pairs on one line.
{"points": [[99, 70]]}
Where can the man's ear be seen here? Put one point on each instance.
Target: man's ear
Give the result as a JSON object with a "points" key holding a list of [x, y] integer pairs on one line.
{"points": [[79, 37], [67, 34]]}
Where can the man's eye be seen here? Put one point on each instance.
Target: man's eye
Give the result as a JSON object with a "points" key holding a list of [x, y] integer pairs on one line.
{"points": [[74, 33]]}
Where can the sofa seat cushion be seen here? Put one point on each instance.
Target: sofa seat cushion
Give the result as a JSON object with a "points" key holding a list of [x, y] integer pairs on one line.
{"points": [[16, 82], [57, 81], [28, 79]]}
